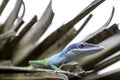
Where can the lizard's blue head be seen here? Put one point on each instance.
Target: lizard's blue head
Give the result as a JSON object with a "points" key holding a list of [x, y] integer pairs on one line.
{"points": [[80, 50], [89, 48]]}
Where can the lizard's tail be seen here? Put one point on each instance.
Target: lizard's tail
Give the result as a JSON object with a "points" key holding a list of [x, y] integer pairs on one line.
{"points": [[35, 61], [40, 62]]}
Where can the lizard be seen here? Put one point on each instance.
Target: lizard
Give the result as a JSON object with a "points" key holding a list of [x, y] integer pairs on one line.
{"points": [[73, 52]]}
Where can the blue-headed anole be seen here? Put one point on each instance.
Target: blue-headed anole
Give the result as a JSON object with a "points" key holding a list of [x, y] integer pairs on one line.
{"points": [[73, 52]]}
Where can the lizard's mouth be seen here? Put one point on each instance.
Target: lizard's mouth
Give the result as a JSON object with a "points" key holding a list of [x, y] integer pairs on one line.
{"points": [[93, 48]]}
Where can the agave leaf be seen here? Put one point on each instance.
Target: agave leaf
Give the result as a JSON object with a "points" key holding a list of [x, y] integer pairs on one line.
{"points": [[63, 41], [51, 39], [106, 33], [27, 43], [3, 5], [111, 45], [92, 35], [12, 17], [108, 61], [15, 39], [19, 20], [8, 25]]}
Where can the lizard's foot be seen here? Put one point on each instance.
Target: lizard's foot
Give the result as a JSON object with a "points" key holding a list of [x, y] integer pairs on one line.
{"points": [[74, 68], [57, 70]]}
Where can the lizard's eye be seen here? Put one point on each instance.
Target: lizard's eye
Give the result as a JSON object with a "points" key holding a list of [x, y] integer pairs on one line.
{"points": [[81, 45]]}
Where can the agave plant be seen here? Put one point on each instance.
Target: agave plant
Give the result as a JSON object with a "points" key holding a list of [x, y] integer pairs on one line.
{"points": [[18, 49]]}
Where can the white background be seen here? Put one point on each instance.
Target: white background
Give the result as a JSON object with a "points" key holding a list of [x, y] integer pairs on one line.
{"points": [[65, 10]]}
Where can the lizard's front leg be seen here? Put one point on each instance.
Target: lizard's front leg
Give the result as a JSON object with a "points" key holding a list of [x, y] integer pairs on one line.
{"points": [[74, 68], [54, 67]]}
